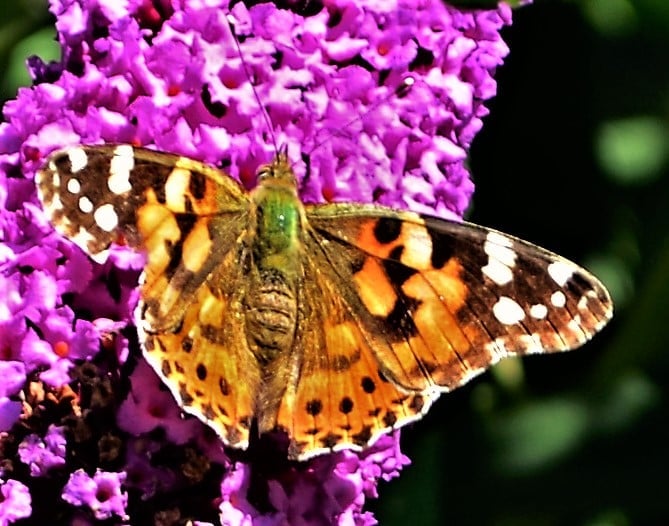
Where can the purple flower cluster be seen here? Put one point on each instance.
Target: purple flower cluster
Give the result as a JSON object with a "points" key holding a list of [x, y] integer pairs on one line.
{"points": [[328, 489], [77, 405]]}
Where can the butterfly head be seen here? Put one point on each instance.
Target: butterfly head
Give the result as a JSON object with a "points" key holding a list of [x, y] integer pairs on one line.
{"points": [[278, 171]]}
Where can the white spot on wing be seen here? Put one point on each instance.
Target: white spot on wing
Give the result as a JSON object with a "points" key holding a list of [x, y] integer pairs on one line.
{"points": [[498, 272], [78, 159], [85, 205], [54, 206], [558, 298], [499, 239], [501, 258], [574, 325], [580, 333], [176, 188], [498, 247], [507, 311], [497, 349], [73, 186], [538, 311], [583, 302], [83, 238], [560, 272], [122, 162], [106, 217]]}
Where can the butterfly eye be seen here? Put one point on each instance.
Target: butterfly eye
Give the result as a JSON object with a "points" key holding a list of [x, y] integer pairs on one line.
{"points": [[266, 172]]}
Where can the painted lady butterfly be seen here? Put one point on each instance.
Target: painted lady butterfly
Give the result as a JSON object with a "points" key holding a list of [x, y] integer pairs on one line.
{"points": [[334, 323]]}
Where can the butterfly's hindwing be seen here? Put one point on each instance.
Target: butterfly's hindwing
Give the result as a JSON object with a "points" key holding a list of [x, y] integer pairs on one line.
{"points": [[343, 396], [205, 360]]}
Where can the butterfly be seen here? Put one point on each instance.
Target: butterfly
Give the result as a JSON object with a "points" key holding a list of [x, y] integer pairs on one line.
{"points": [[333, 323]]}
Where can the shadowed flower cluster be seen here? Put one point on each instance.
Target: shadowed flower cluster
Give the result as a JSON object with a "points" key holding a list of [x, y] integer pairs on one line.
{"points": [[87, 432]]}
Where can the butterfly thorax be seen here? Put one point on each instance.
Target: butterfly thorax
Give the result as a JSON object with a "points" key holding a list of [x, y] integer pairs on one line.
{"points": [[274, 241]]}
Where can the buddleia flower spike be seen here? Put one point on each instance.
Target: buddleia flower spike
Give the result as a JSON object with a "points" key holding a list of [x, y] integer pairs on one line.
{"points": [[311, 305]]}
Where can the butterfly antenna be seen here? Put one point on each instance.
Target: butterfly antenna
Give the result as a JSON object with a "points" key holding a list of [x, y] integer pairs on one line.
{"points": [[265, 115], [400, 91]]}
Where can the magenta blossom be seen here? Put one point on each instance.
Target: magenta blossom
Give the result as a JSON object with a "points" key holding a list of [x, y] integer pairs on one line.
{"points": [[101, 493], [375, 102], [15, 502]]}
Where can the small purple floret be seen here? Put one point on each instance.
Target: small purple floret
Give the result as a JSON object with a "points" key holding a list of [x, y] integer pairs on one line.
{"points": [[101, 493], [15, 503]]}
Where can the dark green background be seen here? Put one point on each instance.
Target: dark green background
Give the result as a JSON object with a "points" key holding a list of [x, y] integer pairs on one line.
{"points": [[572, 157]]}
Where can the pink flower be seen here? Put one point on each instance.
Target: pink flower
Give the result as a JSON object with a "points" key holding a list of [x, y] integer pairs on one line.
{"points": [[15, 502], [101, 493]]}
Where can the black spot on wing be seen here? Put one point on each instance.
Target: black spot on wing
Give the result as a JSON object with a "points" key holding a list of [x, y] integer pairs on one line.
{"points": [[223, 386], [399, 325], [166, 368], [346, 405], [397, 272], [213, 334], [417, 403], [185, 223], [368, 385], [363, 437], [314, 407], [389, 419], [208, 411], [197, 185], [331, 440], [148, 174], [185, 396], [444, 245], [387, 229], [343, 362], [578, 284]]}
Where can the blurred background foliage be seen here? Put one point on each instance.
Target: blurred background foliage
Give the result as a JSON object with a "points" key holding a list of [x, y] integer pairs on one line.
{"points": [[574, 156]]}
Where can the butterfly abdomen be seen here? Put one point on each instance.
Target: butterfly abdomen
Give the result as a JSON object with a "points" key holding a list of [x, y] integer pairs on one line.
{"points": [[271, 315]]}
